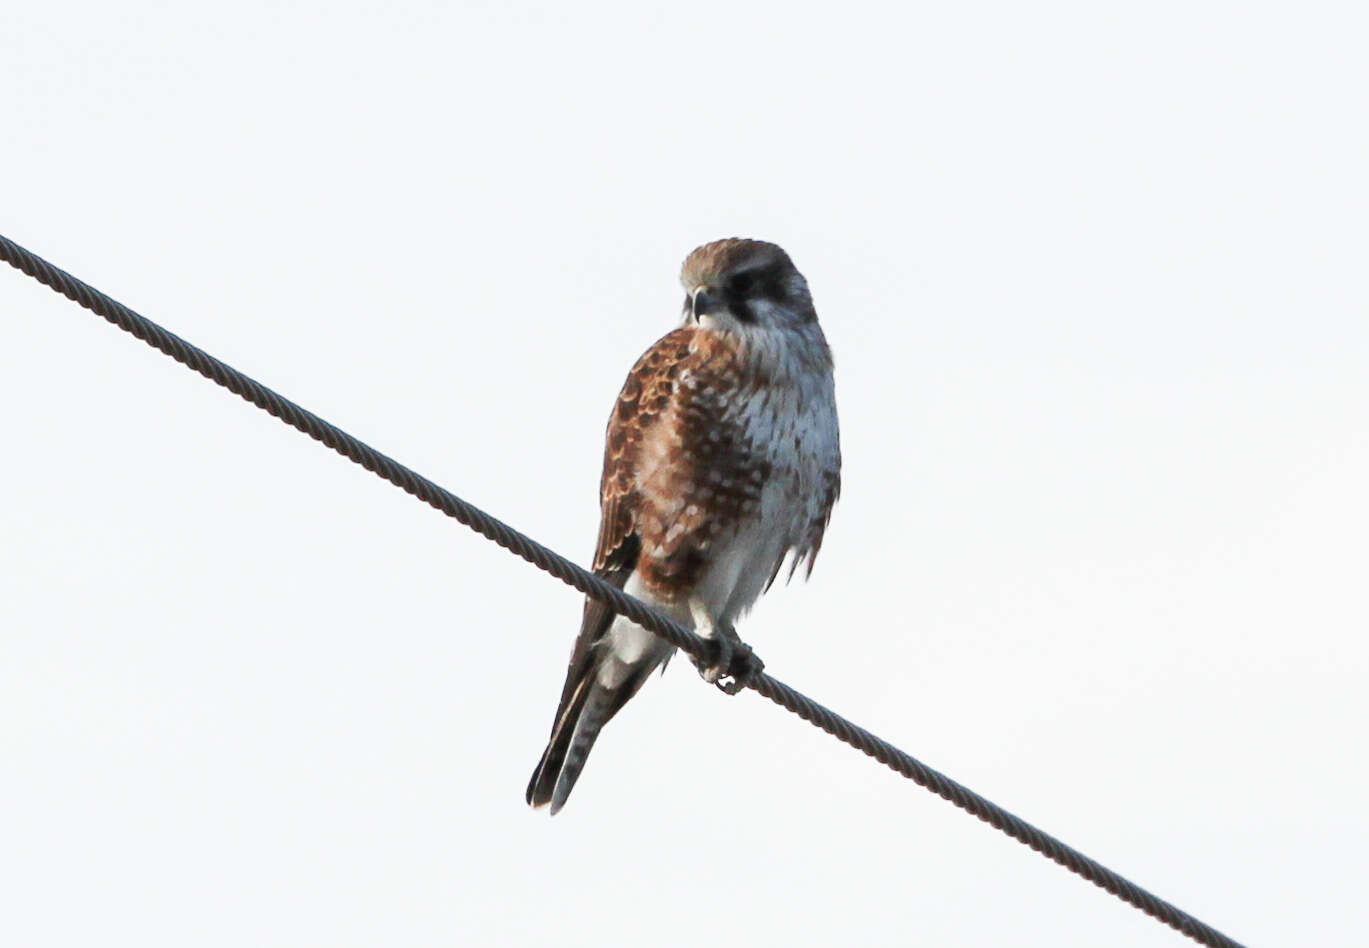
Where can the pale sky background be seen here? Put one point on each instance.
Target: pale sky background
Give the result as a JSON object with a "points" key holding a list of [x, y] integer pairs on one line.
{"points": [[1095, 280]]}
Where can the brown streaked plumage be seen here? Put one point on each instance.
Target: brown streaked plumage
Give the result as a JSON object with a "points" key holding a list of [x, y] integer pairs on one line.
{"points": [[721, 458], [678, 468]]}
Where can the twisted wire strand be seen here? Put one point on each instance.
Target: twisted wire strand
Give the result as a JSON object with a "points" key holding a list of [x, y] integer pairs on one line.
{"points": [[568, 572]]}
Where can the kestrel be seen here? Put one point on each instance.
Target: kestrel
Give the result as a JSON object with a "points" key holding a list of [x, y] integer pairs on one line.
{"points": [[722, 458]]}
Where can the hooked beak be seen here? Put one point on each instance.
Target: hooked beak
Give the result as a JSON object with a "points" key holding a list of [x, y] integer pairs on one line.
{"points": [[703, 300]]}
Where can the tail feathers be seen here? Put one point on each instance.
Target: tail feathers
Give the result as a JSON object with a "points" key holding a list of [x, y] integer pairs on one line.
{"points": [[587, 709], [571, 740], [586, 733]]}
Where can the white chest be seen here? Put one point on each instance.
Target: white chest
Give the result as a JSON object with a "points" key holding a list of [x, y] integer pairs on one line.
{"points": [[794, 428]]}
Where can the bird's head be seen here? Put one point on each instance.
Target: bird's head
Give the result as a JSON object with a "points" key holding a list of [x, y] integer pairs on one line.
{"points": [[738, 285]]}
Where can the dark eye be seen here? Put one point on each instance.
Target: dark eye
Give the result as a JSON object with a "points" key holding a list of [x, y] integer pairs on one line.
{"points": [[742, 284]]}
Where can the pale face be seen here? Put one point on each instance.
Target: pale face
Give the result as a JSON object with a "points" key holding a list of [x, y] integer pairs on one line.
{"points": [[762, 290]]}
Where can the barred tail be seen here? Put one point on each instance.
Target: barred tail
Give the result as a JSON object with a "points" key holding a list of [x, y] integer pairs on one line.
{"points": [[571, 740]]}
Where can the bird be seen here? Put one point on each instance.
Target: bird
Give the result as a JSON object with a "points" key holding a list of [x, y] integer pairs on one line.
{"points": [[722, 458]]}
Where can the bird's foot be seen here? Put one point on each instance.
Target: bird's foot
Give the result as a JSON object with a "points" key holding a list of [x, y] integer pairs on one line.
{"points": [[742, 670], [713, 666], [730, 664]]}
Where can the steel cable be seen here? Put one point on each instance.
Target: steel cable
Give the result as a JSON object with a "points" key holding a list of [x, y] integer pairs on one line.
{"points": [[589, 584]]}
